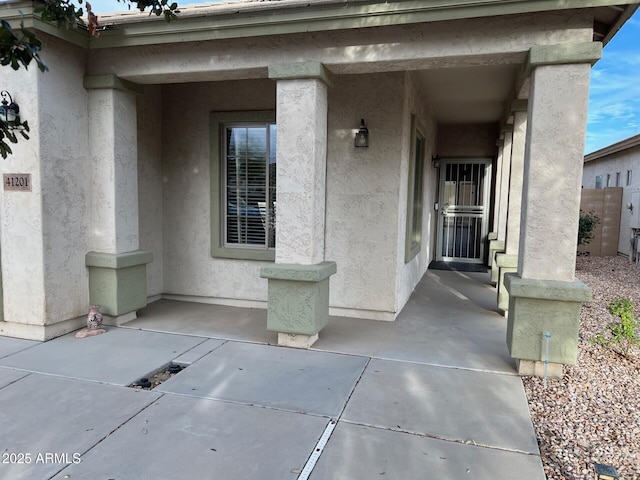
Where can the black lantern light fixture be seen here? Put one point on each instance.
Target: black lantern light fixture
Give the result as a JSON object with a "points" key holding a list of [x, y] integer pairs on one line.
{"points": [[9, 110], [362, 135]]}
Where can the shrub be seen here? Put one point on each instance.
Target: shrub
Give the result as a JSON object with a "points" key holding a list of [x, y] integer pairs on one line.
{"points": [[586, 226], [624, 331]]}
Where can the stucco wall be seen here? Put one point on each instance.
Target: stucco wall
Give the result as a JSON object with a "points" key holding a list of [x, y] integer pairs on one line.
{"points": [[188, 267], [411, 46], [363, 190], [22, 229], [66, 173], [44, 231], [618, 162], [150, 184], [467, 140]]}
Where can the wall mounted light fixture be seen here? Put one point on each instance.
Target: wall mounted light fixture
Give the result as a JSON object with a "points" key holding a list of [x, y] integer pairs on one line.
{"points": [[362, 135], [9, 110], [436, 161]]}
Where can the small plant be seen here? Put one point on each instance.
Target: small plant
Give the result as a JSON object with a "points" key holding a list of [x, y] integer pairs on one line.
{"points": [[624, 331], [586, 226]]}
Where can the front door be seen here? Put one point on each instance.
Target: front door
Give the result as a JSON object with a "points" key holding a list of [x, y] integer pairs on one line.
{"points": [[463, 208]]}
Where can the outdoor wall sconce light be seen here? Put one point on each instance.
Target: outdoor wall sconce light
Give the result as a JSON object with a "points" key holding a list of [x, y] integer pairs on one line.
{"points": [[605, 472], [9, 110], [436, 161], [362, 135]]}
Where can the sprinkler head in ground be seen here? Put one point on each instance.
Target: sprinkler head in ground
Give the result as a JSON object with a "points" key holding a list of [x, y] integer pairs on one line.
{"points": [[144, 383], [173, 368]]}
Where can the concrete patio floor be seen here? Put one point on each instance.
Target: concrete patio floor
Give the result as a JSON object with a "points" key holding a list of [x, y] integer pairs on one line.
{"points": [[432, 395]]}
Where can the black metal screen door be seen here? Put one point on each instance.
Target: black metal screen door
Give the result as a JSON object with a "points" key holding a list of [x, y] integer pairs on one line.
{"points": [[463, 208]]}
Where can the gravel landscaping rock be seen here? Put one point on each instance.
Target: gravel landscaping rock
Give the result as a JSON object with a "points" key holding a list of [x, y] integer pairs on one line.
{"points": [[592, 414], [158, 377]]}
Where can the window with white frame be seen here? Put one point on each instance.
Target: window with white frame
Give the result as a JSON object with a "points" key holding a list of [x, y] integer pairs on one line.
{"points": [[598, 181], [617, 179], [628, 178], [608, 179], [244, 185]]}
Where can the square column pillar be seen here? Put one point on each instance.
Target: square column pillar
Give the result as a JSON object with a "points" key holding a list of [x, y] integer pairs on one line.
{"points": [[499, 243], [298, 298], [114, 237], [504, 184], [496, 244], [508, 261], [544, 296]]}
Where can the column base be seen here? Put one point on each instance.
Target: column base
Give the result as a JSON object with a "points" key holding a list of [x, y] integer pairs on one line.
{"points": [[537, 307], [41, 333], [119, 320], [536, 369], [118, 282], [506, 264], [298, 301], [495, 245], [296, 341]]}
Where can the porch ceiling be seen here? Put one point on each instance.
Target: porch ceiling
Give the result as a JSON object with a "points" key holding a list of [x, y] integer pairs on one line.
{"points": [[470, 94]]}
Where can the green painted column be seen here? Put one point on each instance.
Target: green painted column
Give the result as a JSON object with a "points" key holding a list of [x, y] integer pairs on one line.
{"points": [[298, 291], [298, 301], [117, 266], [118, 283], [544, 295], [540, 306]]}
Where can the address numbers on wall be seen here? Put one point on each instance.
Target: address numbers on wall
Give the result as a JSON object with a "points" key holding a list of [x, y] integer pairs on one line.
{"points": [[20, 182]]}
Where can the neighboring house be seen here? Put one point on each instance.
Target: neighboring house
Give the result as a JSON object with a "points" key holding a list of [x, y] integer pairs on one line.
{"points": [[214, 159], [618, 165]]}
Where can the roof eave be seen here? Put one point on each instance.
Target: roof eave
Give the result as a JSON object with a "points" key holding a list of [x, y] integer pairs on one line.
{"points": [[236, 20], [620, 21], [618, 147]]}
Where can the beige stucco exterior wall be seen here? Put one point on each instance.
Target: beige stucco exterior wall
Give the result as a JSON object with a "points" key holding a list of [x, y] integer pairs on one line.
{"points": [[366, 189], [366, 193], [411, 46], [618, 162], [477, 141], [66, 186], [188, 267], [44, 232], [151, 184], [22, 227], [363, 189]]}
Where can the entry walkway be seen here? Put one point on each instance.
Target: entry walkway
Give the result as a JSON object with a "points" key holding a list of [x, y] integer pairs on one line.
{"points": [[432, 395]]}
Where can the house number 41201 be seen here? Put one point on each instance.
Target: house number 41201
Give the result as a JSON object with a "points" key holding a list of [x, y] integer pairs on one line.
{"points": [[17, 181]]}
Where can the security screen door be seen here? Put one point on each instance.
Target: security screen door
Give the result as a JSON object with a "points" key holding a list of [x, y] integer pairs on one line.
{"points": [[463, 208]]}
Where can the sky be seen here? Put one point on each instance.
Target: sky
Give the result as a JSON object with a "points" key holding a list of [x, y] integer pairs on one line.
{"points": [[614, 100]]}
